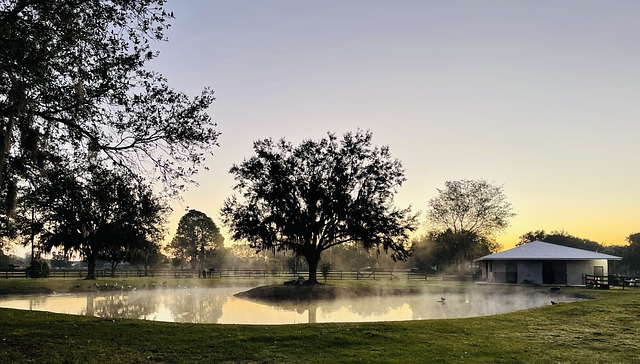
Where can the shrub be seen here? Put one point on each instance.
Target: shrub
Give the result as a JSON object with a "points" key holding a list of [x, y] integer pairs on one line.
{"points": [[38, 268]]}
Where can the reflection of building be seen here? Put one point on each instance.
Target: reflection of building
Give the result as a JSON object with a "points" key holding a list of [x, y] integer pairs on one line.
{"points": [[540, 262]]}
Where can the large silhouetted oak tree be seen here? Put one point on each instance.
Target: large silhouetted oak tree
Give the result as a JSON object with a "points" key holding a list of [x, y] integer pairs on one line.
{"points": [[75, 86], [310, 197]]}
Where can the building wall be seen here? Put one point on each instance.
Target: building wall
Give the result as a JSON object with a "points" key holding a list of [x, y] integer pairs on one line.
{"points": [[497, 271], [575, 269], [530, 271]]}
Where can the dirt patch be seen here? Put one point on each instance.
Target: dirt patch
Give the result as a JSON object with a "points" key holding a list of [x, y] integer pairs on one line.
{"points": [[316, 292]]}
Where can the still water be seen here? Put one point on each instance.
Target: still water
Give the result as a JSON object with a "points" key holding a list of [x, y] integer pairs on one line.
{"points": [[218, 305]]}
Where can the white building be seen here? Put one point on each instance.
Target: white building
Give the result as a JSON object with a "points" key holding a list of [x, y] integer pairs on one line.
{"points": [[544, 263]]}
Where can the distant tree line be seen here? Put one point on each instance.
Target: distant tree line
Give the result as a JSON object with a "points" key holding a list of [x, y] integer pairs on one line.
{"points": [[347, 257]]}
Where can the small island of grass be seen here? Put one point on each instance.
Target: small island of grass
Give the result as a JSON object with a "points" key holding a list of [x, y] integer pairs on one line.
{"points": [[314, 292]]}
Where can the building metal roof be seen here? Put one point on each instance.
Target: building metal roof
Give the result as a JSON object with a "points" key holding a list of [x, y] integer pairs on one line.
{"points": [[539, 250]]}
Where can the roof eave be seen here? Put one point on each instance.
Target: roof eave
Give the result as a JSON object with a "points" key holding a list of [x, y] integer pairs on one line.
{"points": [[537, 259]]}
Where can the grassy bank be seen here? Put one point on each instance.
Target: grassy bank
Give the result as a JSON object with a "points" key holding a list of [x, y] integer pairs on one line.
{"points": [[601, 330]]}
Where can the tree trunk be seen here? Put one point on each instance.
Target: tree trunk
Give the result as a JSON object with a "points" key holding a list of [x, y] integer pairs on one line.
{"points": [[113, 269], [201, 257], [312, 261], [91, 267], [194, 263]]}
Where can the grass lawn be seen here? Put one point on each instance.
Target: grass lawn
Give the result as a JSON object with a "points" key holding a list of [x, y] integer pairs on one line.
{"points": [[605, 329]]}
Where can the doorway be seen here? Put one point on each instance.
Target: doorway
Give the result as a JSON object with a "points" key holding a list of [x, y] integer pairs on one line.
{"points": [[512, 272], [554, 272]]}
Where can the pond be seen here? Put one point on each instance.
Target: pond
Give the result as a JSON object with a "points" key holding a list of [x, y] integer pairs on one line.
{"points": [[218, 305]]}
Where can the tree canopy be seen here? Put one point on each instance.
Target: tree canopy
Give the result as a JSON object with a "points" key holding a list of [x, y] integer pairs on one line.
{"points": [[321, 193], [464, 217], [98, 214], [470, 206], [197, 235], [560, 238], [75, 87]]}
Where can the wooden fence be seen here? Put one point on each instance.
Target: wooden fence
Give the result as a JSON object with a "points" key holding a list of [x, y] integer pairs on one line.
{"points": [[605, 282], [242, 273]]}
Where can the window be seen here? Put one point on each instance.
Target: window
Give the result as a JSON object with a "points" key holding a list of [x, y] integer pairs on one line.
{"points": [[598, 270]]}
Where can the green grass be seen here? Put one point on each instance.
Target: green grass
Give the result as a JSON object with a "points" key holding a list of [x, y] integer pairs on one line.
{"points": [[604, 329]]}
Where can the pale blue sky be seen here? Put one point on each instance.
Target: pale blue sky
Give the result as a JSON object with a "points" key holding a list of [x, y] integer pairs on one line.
{"points": [[541, 97]]}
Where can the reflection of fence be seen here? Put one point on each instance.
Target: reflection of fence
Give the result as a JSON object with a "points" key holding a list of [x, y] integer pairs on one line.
{"points": [[610, 281], [244, 273]]}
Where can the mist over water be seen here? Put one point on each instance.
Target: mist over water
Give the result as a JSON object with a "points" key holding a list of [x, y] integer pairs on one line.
{"points": [[218, 305]]}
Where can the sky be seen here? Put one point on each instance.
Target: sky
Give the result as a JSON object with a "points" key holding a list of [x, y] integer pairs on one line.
{"points": [[539, 97]]}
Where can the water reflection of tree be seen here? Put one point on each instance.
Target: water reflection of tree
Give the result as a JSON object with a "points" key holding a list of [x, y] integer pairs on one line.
{"points": [[375, 306], [37, 301], [120, 305], [196, 306], [310, 307], [312, 311], [364, 307]]}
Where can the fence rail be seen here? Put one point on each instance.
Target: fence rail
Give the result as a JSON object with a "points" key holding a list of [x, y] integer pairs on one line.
{"points": [[241, 273], [610, 281]]}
